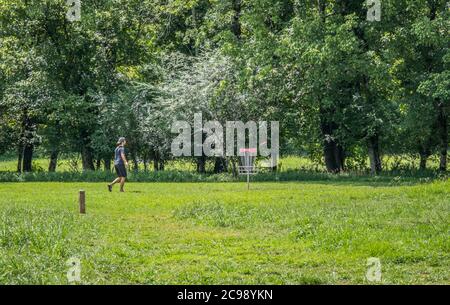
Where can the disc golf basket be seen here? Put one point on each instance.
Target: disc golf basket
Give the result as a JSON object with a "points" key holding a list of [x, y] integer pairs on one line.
{"points": [[247, 163]]}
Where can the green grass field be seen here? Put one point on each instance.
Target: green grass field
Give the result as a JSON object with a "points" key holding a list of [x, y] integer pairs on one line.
{"points": [[220, 233]]}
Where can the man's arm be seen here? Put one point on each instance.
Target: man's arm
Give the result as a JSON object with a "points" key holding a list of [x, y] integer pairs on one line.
{"points": [[122, 155]]}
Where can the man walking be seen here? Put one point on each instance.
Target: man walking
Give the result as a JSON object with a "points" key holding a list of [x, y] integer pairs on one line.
{"points": [[120, 164]]}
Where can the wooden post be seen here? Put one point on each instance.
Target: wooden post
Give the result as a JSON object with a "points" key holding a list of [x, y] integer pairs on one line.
{"points": [[82, 201]]}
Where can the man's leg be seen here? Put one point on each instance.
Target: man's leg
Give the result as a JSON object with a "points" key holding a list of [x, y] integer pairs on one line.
{"points": [[115, 181], [122, 183], [112, 183]]}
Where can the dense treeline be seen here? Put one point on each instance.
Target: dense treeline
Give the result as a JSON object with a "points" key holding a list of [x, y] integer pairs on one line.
{"points": [[343, 88]]}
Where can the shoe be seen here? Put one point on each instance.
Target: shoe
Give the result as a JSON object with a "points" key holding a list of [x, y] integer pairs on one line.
{"points": [[110, 188]]}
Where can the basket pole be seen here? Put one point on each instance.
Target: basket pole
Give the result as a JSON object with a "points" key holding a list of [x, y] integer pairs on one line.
{"points": [[82, 201]]}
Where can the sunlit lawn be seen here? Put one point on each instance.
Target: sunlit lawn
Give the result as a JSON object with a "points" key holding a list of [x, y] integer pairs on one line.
{"points": [[220, 233]]}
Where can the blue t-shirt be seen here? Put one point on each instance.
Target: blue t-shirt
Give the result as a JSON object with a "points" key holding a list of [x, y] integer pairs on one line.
{"points": [[118, 155]]}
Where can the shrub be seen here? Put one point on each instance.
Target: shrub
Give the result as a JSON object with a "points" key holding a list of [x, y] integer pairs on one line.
{"points": [[398, 176]]}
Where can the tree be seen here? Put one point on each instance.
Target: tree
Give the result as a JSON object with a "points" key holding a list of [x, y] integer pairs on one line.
{"points": [[420, 53]]}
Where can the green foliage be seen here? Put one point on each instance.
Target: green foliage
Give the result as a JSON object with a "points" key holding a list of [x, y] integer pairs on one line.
{"points": [[341, 87], [395, 176]]}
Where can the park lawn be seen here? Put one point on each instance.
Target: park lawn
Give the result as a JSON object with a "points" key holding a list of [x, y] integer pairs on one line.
{"points": [[220, 233]]}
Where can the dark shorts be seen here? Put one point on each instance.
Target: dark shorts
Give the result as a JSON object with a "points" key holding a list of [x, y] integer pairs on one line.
{"points": [[121, 170]]}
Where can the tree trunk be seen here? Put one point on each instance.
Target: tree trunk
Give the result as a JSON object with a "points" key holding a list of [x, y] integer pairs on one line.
{"points": [[98, 164], [135, 161], [156, 160], [443, 135], [201, 165], [220, 165], [19, 159], [236, 24], [158, 165], [339, 155], [27, 157], [374, 155], [425, 153], [321, 6], [53, 161], [194, 19], [107, 163], [145, 161], [330, 161], [332, 151], [27, 146], [234, 167], [87, 158], [423, 161]]}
